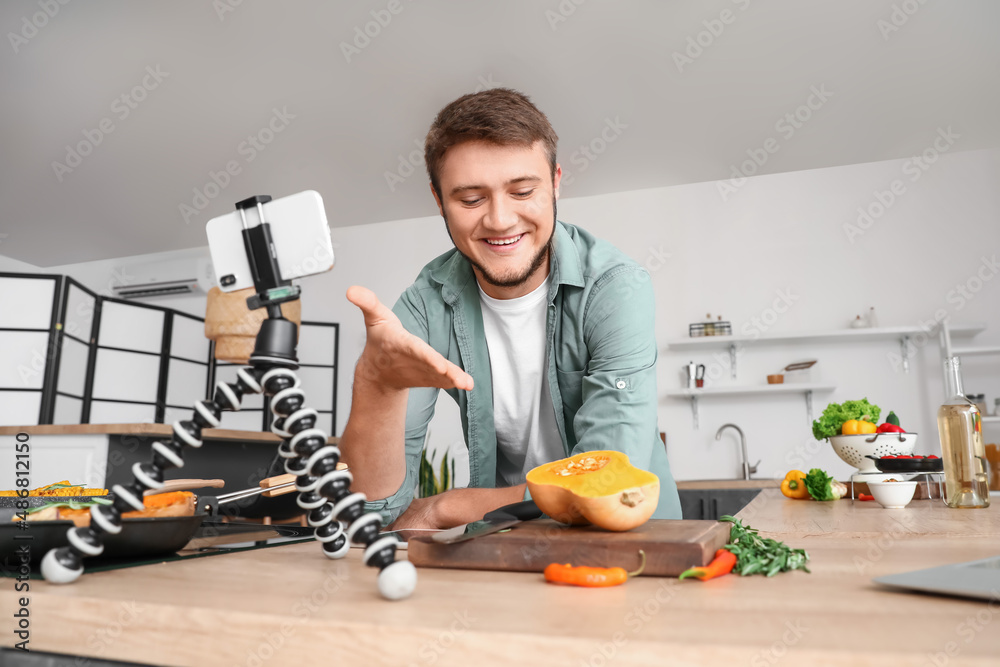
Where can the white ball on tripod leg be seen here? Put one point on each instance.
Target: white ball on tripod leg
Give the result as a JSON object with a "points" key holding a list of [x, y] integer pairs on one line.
{"points": [[398, 580], [57, 573]]}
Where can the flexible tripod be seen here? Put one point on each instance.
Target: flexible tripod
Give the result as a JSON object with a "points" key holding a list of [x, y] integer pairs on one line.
{"points": [[324, 491]]}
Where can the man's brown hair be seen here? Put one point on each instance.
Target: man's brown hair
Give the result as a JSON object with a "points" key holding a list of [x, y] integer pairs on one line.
{"points": [[499, 115]]}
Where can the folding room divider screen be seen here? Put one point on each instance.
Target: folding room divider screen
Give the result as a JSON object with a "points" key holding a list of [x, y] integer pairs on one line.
{"points": [[71, 356]]}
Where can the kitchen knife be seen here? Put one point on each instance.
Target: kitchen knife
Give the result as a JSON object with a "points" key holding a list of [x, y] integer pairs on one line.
{"points": [[494, 521]]}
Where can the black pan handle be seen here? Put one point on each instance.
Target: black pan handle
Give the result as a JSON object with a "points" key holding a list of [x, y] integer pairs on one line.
{"points": [[523, 511]]}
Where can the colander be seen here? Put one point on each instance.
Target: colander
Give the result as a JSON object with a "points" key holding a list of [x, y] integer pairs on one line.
{"points": [[853, 449]]}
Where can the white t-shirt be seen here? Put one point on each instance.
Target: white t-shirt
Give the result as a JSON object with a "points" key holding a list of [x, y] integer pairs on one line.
{"points": [[527, 435]]}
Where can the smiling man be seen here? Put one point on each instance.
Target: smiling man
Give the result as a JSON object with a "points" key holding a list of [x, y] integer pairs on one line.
{"points": [[541, 333]]}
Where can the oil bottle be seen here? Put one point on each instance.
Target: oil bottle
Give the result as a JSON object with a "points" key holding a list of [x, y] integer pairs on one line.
{"points": [[960, 426]]}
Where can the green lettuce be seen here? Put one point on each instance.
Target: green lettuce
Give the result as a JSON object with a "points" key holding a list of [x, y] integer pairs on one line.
{"points": [[833, 418], [823, 487]]}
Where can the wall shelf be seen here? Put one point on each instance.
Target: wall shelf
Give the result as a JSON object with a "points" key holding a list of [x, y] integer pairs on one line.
{"points": [[832, 336], [752, 390], [902, 334], [971, 351]]}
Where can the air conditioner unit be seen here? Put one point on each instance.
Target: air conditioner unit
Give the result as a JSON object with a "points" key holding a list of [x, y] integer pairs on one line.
{"points": [[152, 279]]}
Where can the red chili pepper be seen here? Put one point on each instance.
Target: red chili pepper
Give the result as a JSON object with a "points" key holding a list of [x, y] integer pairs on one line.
{"points": [[723, 563], [865, 496], [591, 577]]}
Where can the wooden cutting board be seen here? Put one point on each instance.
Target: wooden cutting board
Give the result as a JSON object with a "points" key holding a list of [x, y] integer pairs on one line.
{"points": [[671, 547]]}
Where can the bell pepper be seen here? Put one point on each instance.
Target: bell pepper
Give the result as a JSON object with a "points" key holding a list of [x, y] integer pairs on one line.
{"points": [[857, 427], [794, 485], [890, 428]]}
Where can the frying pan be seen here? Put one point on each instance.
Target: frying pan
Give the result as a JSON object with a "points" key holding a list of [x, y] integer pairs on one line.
{"points": [[907, 465], [140, 537]]}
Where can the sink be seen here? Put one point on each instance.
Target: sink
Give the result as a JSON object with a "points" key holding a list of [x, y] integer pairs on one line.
{"points": [[712, 498]]}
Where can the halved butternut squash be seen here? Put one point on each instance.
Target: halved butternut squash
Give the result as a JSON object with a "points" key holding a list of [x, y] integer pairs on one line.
{"points": [[599, 487]]}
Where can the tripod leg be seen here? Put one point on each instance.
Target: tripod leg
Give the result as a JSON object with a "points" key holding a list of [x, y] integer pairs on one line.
{"points": [[324, 491]]}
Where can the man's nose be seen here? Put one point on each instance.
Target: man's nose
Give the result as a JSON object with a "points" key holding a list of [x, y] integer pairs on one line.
{"points": [[501, 214]]}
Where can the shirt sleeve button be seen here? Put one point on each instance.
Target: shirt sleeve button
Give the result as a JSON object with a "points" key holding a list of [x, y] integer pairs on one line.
{"points": [[620, 384]]}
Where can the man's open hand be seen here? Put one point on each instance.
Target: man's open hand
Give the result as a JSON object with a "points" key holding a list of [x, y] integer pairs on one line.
{"points": [[396, 359]]}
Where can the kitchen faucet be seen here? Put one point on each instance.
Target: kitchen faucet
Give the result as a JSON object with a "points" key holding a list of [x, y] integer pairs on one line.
{"points": [[747, 468]]}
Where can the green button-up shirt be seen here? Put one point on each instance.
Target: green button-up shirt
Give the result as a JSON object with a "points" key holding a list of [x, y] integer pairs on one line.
{"points": [[600, 352]]}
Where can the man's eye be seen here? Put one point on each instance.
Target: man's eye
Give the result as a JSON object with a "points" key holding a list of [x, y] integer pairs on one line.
{"points": [[472, 202], [524, 193]]}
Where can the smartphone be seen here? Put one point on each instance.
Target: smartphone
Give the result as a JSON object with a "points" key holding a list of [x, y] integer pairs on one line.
{"points": [[299, 231]]}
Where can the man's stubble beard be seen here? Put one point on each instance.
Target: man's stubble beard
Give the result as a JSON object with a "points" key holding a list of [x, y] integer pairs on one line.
{"points": [[511, 281]]}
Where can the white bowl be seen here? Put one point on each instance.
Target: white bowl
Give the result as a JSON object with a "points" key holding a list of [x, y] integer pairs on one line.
{"points": [[853, 449], [893, 495]]}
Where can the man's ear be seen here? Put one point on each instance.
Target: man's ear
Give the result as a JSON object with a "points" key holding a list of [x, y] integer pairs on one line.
{"points": [[556, 178], [437, 199]]}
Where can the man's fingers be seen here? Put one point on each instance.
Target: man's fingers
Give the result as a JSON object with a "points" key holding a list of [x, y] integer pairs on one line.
{"points": [[461, 379], [370, 306], [440, 365]]}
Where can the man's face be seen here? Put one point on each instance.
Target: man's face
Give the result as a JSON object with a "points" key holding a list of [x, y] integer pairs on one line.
{"points": [[498, 203]]}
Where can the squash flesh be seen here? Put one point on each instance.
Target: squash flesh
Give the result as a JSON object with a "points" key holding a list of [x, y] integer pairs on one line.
{"points": [[600, 487]]}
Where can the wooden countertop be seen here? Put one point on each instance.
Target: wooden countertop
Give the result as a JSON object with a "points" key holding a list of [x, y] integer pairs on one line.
{"points": [[713, 484], [291, 606], [139, 429]]}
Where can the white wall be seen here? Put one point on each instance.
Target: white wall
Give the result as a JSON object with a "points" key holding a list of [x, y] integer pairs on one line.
{"points": [[785, 233], [780, 233]]}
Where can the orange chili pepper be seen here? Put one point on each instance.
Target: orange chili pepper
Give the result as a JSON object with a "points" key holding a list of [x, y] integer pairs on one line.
{"points": [[723, 563], [591, 577]]}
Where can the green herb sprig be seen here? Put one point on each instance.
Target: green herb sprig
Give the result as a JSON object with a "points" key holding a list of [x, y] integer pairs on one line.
{"points": [[758, 555]]}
